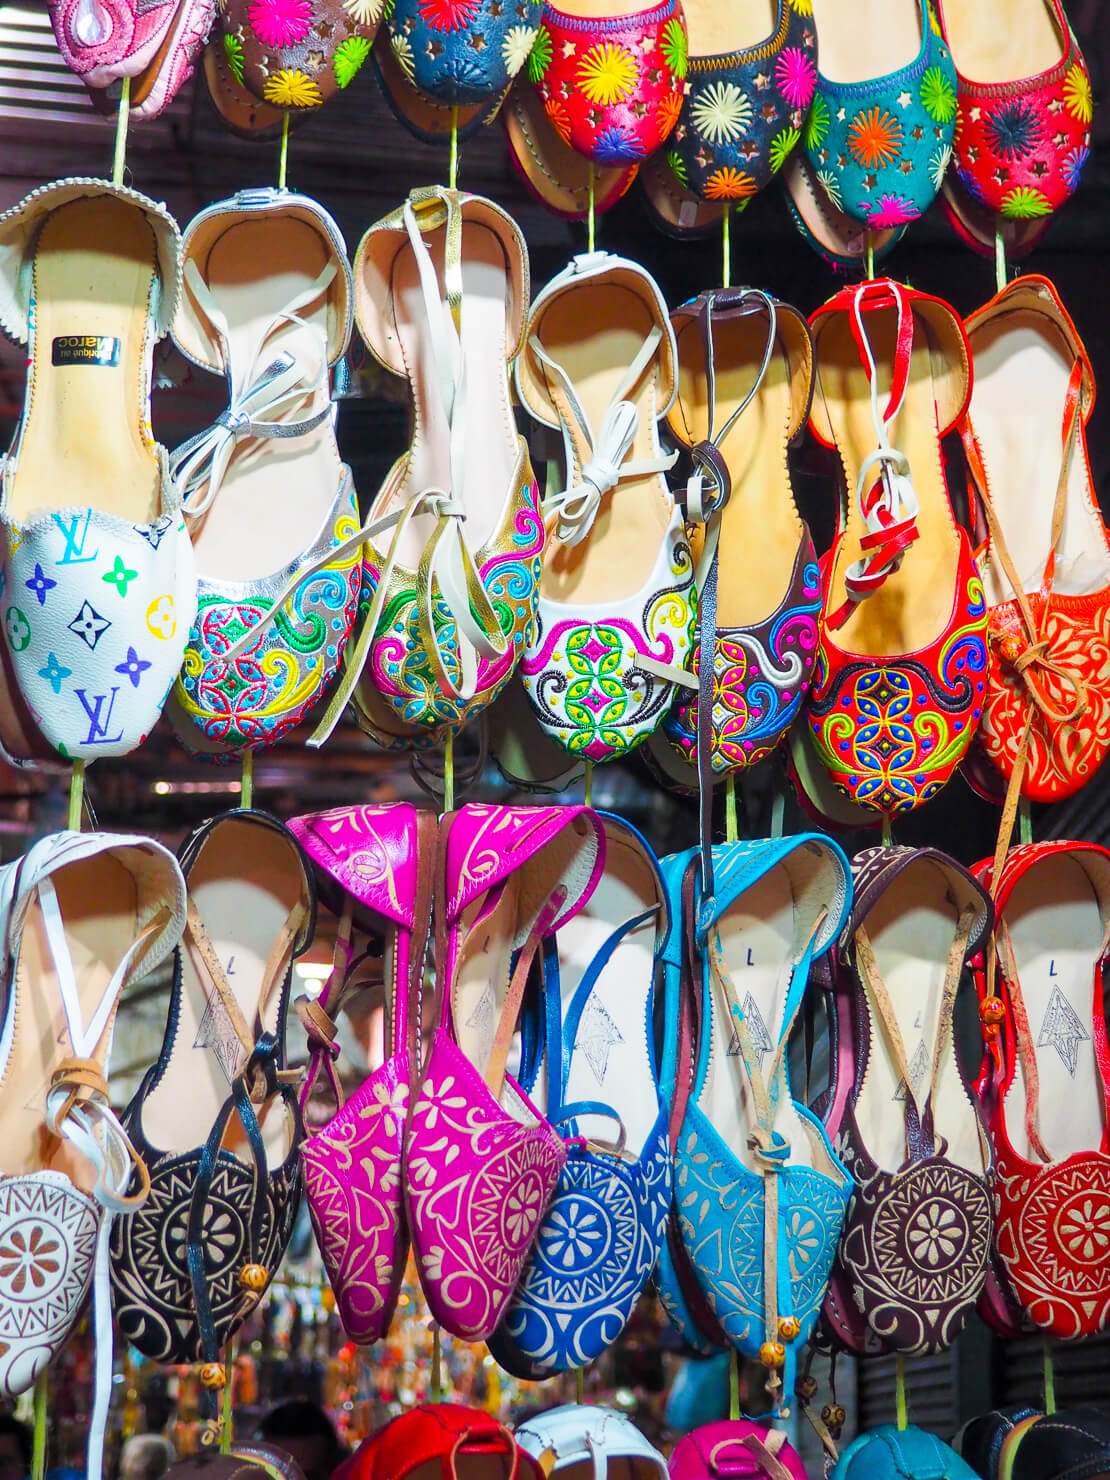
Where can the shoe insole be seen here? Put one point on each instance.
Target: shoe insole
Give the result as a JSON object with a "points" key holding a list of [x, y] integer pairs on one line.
{"points": [[594, 333], [759, 943], [1002, 40], [868, 39], [1022, 367], [914, 604], [911, 928], [276, 491], [714, 29], [1056, 930], [487, 424], [98, 901], [244, 894], [85, 438], [610, 1059], [753, 573]]}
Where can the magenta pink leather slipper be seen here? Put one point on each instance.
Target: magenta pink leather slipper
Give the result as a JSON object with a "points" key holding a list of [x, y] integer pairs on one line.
{"points": [[103, 41], [373, 868], [481, 1162]]}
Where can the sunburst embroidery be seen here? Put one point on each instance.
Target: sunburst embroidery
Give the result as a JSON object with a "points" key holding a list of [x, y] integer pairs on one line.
{"points": [[874, 138], [291, 88], [796, 76], [1014, 131], [364, 12], [516, 47], [1077, 94], [448, 15], [729, 184], [721, 112], [674, 48], [280, 23], [670, 107], [607, 74]]}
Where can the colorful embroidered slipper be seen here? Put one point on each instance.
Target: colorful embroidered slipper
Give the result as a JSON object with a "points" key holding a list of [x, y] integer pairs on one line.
{"points": [[462, 52], [267, 304], [296, 54], [374, 868], [591, 1062], [746, 98], [240, 110], [612, 85], [615, 620], [578, 1437], [428, 120], [481, 1162], [155, 42], [737, 1448], [97, 569], [1049, 1097], [216, 1120], [879, 132], [153, 88], [759, 1192], [441, 293], [558, 177], [745, 379], [917, 1235], [1024, 129], [674, 209], [440, 1439], [1046, 559], [899, 686], [833, 235], [81, 916]]}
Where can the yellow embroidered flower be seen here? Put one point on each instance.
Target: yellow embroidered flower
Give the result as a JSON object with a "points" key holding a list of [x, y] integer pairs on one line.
{"points": [[291, 88], [607, 73], [1077, 94], [729, 184]]}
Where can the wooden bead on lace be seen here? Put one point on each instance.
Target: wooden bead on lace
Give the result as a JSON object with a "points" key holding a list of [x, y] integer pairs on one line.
{"points": [[253, 1277], [833, 1416], [213, 1375], [992, 1010], [772, 1354], [790, 1328]]}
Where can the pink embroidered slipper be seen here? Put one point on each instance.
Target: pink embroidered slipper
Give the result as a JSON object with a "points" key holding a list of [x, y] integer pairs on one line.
{"points": [[374, 869], [481, 1163], [158, 41]]}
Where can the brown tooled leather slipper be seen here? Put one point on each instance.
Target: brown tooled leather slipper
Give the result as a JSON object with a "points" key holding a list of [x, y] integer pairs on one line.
{"points": [[296, 54]]}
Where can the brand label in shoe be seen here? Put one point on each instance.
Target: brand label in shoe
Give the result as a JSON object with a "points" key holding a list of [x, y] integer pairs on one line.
{"points": [[85, 349]]}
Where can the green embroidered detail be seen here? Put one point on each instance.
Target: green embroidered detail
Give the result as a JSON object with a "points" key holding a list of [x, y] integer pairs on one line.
{"points": [[349, 57], [1024, 202], [678, 167], [540, 58], [674, 47], [938, 96], [233, 51], [817, 125], [781, 146]]}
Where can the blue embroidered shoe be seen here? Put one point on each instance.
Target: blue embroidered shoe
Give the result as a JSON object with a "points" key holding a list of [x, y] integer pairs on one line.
{"points": [[462, 52], [595, 1053], [744, 108], [758, 1186], [879, 136]]}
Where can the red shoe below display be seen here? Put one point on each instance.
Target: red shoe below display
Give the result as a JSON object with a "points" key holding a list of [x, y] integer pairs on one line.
{"points": [[898, 688], [1023, 125], [1047, 1093], [1046, 558], [612, 88]]}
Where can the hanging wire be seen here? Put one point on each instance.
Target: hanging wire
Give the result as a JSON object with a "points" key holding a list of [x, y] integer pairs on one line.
{"points": [[122, 118], [283, 157]]}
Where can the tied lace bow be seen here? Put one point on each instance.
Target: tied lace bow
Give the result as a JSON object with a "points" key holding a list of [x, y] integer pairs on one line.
{"points": [[575, 509]]}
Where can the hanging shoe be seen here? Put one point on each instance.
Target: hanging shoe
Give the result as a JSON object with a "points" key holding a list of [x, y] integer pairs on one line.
{"points": [[558, 177], [880, 130], [981, 229], [215, 1119], [759, 1191], [887, 1452], [745, 380], [675, 210], [447, 1438], [82, 915], [1023, 133], [239, 109], [612, 85], [747, 96], [295, 55], [462, 53], [592, 1063], [97, 568], [426, 119], [834, 236], [575, 1436], [615, 621], [1049, 1095], [154, 42], [899, 686], [270, 504], [1045, 560], [917, 1234], [441, 294], [374, 868], [738, 1448], [481, 1162]]}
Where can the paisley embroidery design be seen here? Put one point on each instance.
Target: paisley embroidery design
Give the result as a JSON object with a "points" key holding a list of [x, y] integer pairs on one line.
{"points": [[593, 1256], [152, 1294], [891, 732], [583, 676], [273, 684], [1053, 1234], [1062, 758], [760, 678], [48, 1236], [509, 567]]}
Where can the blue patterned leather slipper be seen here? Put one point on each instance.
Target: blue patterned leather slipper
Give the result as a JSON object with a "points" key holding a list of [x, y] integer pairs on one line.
{"points": [[880, 128], [594, 1054], [462, 52]]}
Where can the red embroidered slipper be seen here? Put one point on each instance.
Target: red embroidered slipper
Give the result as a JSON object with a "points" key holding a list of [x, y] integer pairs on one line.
{"points": [[898, 687], [1046, 559], [1047, 1097], [1023, 125]]}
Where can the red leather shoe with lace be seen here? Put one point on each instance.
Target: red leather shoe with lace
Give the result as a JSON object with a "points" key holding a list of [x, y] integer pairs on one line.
{"points": [[441, 1439], [898, 688], [1046, 1088], [1046, 556]]}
